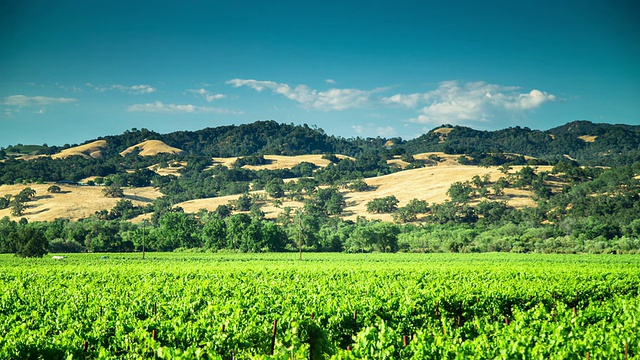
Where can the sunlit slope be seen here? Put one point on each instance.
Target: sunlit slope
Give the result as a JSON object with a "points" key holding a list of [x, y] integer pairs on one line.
{"points": [[73, 202], [152, 147], [429, 183], [90, 150], [276, 162]]}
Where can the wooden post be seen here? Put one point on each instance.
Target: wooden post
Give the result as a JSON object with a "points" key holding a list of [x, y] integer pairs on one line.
{"points": [[273, 336], [154, 334], [311, 346], [222, 327], [588, 356], [405, 340], [506, 321], [626, 350], [85, 346], [355, 315]]}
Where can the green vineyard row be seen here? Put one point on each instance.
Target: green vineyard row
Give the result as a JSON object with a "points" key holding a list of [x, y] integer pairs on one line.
{"points": [[272, 306]]}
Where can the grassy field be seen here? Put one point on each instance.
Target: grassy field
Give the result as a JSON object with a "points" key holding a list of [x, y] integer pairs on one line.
{"points": [[382, 306]]}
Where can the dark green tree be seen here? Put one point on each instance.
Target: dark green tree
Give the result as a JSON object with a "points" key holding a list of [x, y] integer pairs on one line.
{"points": [[17, 209], [30, 241], [113, 191], [275, 188], [460, 192], [387, 204]]}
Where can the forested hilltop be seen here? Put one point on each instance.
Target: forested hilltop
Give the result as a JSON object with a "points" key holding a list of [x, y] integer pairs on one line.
{"points": [[586, 142], [268, 187]]}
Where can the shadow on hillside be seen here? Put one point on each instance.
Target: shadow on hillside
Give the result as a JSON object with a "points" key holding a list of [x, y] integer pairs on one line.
{"points": [[348, 213], [40, 211], [139, 198]]}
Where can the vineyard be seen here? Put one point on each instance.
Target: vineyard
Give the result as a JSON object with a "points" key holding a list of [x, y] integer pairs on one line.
{"points": [[342, 306]]}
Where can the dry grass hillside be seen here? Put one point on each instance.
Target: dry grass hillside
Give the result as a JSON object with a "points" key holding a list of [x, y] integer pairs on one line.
{"points": [[279, 161], [152, 147], [73, 202], [442, 133], [90, 150], [429, 183]]}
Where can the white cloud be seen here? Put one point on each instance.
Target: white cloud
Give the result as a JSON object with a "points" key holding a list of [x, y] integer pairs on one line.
{"points": [[458, 103], [374, 130], [451, 102], [330, 81], [159, 107], [207, 95], [21, 100], [332, 99], [531, 100], [409, 100], [133, 89]]}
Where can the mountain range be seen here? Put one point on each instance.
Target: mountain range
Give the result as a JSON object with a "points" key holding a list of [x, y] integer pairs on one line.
{"points": [[586, 142]]}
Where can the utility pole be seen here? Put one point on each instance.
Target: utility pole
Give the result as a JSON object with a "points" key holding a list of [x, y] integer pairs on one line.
{"points": [[300, 233], [143, 239]]}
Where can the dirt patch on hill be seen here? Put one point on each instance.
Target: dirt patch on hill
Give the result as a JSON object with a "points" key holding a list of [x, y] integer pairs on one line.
{"points": [[588, 138]]}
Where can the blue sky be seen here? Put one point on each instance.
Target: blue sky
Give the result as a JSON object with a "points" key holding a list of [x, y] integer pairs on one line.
{"points": [[71, 71]]}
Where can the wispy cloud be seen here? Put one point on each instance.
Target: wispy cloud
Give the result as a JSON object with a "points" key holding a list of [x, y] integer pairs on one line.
{"points": [[22, 100], [132, 89], [159, 107], [330, 81], [453, 102], [207, 95], [332, 99], [374, 130]]}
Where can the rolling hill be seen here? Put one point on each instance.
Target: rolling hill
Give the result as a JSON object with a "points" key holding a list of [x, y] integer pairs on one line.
{"points": [[90, 150], [429, 183], [151, 148], [284, 146]]}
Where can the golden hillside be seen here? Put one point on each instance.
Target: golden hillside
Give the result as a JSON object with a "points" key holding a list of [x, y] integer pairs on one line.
{"points": [[73, 202], [90, 150], [152, 147], [428, 183], [280, 161], [443, 132]]}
